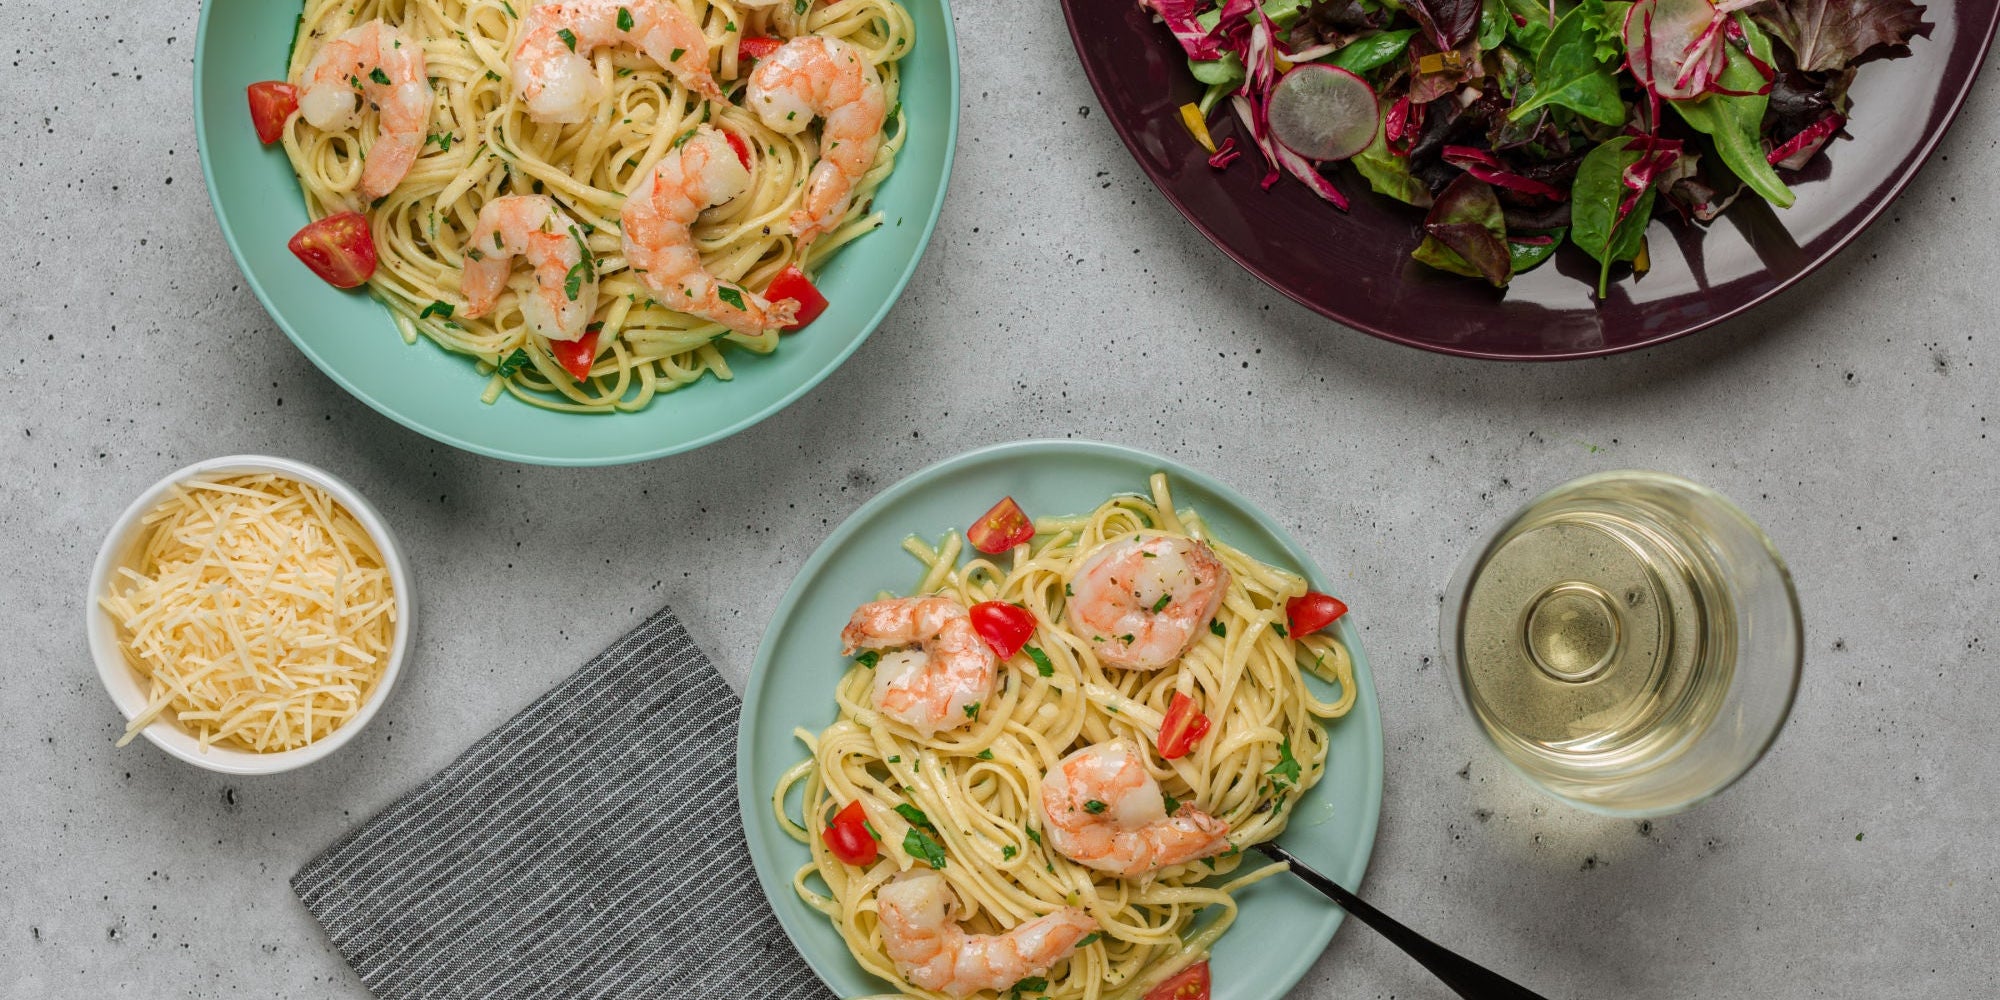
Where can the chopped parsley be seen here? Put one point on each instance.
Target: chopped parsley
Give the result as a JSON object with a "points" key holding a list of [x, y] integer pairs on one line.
{"points": [[1033, 834], [436, 309], [1216, 628], [1161, 604], [914, 815], [972, 710], [512, 363], [1032, 984], [510, 8], [1126, 638], [1279, 628], [624, 19], [986, 754], [443, 141], [1173, 804], [919, 845], [734, 297], [896, 758], [573, 281], [378, 76], [801, 6], [1043, 665], [1285, 773], [675, 55], [490, 75], [1094, 807], [1089, 939], [568, 37], [1007, 852], [869, 658]]}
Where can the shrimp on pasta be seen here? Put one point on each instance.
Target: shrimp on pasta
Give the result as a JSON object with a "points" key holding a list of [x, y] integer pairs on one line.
{"points": [[818, 77], [378, 66], [552, 67]]}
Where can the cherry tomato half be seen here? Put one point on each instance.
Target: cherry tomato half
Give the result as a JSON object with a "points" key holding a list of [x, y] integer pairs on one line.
{"points": [[758, 46], [1183, 727], [1001, 528], [578, 356], [1190, 983], [339, 248], [271, 105], [1310, 612], [742, 151], [848, 837], [1004, 627], [792, 283]]}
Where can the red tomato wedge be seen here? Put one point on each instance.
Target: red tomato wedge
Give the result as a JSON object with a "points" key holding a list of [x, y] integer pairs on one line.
{"points": [[579, 355], [1183, 727], [792, 283], [1190, 983], [339, 248], [271, 105], [758, 46], [1310, 612], [1004, 627], [1001, 528], [848, 837], [742, 151]]}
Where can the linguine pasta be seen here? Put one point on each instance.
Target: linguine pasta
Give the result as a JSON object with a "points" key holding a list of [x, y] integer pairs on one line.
{"points": [[978, 786], [482, 145]]}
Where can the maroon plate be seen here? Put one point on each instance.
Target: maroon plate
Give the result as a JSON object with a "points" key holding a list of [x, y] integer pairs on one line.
{"points": [[1355, 267]]}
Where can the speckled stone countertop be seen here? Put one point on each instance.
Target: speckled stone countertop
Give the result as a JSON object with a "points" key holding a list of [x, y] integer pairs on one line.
{"points": [[1854, 418]]}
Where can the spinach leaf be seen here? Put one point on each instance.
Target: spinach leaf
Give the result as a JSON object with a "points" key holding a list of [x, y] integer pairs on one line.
{"points": [[1529, 23], [1737, 123], [1465, 233], [1571, 71], [1493, 24], [1373, 52], [1526, 257], [1594, 199]]}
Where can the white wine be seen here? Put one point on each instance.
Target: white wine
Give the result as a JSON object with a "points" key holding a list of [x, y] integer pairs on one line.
{"points": [[1598, 638]]}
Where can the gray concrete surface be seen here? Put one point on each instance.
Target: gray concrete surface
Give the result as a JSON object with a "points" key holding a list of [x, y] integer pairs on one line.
{"points": [[1854, 419]]}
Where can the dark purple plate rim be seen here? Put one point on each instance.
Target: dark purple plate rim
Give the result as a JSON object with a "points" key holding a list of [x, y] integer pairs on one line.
{"points": [[1970, 40]]}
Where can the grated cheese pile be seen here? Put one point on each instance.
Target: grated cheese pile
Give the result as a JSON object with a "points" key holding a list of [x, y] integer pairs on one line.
{"points": [[259, 611]]}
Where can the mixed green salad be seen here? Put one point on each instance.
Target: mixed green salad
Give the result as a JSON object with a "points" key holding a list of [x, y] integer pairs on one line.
{"points": [[1521, 124]]}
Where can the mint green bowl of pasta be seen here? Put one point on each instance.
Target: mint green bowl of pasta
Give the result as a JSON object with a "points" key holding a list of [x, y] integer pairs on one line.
{"points": [[1282, 926], [353, 339]]}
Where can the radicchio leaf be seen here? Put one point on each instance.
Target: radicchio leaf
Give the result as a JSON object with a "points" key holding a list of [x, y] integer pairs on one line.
{"points": [[1465, 233], [1448, 22], [1179, 16], [1832, 34]]}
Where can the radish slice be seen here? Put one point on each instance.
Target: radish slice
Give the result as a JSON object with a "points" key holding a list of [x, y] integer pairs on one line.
{"points": [[1323, 112], [1660, 38]]}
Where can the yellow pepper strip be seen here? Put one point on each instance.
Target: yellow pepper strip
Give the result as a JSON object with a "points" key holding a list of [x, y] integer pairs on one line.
{"points": [[1644, 261], [1197, 126]]}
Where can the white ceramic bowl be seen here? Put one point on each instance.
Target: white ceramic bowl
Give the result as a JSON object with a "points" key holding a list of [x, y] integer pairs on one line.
{"points": [[124, 683]]}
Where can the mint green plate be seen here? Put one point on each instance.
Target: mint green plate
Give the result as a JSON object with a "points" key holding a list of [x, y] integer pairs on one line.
{"points": [[427, 389], [1282, 927]]}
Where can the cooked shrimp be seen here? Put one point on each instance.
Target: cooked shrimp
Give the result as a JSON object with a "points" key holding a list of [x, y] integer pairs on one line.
{"points": [[938, 683], [533, 227], [921, 933], [1144, 599], [384, 67], [659, 244], [551, 65], [818, 77], [1106, 812]]}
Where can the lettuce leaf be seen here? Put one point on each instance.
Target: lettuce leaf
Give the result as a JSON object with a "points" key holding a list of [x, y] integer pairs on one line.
{"points": [[1828, 35]]}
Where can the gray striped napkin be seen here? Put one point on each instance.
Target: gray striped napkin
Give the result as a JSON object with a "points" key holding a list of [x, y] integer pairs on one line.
{"points": [[590, 847]]}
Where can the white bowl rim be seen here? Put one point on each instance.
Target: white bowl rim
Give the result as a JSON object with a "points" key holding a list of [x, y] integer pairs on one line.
{"points": [[121, 682]]}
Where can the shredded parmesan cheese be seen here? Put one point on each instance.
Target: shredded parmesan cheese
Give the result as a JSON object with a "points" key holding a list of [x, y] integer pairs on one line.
{"points": [[258, 611]]}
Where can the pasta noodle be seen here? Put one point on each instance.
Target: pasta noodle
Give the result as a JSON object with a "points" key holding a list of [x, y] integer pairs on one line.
{"points": [[979, 785], [482, 145]]}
